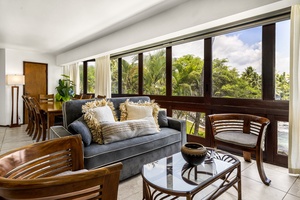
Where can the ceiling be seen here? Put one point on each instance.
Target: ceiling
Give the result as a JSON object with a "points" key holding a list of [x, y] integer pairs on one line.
{"points": [[56, 26]]}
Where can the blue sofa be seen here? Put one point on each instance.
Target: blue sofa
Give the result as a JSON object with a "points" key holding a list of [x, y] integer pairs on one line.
{"points": [[134, 152]]}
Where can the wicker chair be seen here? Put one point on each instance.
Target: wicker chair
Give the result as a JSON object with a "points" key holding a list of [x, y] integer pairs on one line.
{"points": [[243, 132], [54, 170]]}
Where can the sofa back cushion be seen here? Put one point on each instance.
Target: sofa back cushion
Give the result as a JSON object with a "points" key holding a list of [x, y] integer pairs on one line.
{"points": [[72, 110]]}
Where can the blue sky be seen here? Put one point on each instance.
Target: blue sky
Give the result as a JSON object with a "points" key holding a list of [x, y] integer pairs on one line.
{"points": [[243, 48]]}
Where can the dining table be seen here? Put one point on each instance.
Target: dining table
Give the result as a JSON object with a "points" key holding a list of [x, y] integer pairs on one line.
{"points": [[52, 109]]}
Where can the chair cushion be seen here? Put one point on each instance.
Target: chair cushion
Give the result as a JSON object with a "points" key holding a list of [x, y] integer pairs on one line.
{"points": [[237, 138], [79, 126]]}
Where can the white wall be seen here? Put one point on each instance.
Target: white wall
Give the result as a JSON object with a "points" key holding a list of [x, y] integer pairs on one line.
{"points": [[2, 83], [14, 65], [189, 17]]}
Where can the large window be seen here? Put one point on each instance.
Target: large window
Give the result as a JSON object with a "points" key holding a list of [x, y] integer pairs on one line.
{"points": [[187, 69], [154, 72], [282, 60], [237, 59], [130, 75]]}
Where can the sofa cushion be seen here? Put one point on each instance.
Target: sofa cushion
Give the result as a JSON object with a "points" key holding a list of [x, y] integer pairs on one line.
{"points": [[117, 131], [140, 110], [79, 126], [162, 118], [97, 155]]}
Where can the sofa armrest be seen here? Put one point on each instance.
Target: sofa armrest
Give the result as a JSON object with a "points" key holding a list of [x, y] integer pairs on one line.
{"points": [[58, 132], [180, 125]]}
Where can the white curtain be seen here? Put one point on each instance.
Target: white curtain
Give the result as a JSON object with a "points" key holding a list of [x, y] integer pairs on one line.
{"points": [[72, 71], [294, 106], [103, 77]]}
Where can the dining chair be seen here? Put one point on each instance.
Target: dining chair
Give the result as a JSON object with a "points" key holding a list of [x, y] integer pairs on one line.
{"points": [[46, 98], [40, 120], [30, 116], [87, 96], [54, 169], [243, 132], [77, 96], [101, 96]]}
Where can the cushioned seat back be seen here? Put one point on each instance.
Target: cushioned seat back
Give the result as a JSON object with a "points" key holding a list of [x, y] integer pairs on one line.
{"points": [[72, 110]]}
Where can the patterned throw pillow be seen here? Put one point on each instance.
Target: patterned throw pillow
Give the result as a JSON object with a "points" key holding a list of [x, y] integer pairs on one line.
{"points": [[117, 131], [141, 110], [93, 116]]}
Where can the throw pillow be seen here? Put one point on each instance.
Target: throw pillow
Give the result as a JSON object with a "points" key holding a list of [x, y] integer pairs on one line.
{"points": [[117, 131], [162, 118], [140, 110], [94, 117], [79, 126]]}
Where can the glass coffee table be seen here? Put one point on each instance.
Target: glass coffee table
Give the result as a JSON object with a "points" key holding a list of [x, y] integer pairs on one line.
{"points": [[172, 177]]}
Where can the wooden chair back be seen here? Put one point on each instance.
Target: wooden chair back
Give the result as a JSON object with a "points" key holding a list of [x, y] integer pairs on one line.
{"points": [[87, 96], [243, 132], [35, 172], [46, 98], [77, 96], [101, 97]]}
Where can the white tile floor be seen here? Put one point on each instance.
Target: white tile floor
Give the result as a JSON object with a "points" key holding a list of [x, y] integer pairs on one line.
{"points": [[282, 186]]}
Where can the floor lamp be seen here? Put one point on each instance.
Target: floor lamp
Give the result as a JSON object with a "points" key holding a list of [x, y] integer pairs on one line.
{"points": [[15, 81]]}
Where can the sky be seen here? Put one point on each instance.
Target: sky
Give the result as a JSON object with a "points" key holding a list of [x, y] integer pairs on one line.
{"points": [[243, 48]]}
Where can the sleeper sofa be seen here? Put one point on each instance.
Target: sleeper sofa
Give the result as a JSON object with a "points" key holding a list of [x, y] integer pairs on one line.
{"points": [[133, 152]]}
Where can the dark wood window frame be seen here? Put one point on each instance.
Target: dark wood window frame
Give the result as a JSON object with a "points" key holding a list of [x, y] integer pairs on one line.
{"points": [[267, 106]]}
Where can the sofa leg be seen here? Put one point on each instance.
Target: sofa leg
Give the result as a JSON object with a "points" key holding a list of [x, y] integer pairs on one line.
{"points": [[247, 156], [261, 171]]}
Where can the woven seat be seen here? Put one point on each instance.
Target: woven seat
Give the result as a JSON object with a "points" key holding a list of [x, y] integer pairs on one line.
{"points": [[244, 132]]}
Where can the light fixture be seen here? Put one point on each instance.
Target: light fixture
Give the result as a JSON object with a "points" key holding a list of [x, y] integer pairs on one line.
{"points": [[15, 80]]}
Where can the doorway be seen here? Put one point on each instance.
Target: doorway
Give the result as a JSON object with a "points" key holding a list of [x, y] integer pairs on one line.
{"points": [[36, 81]]}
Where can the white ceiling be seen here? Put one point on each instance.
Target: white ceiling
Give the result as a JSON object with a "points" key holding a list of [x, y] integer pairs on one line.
{"points": [[56, 26]]}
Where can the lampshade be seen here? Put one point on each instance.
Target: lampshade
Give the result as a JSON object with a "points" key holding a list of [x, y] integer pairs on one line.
{"points": [[15, 79]]}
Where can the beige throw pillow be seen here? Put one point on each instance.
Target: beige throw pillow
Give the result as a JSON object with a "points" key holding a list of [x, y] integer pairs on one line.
{"points": [[96, 112], [117, 131], [140, 110]]}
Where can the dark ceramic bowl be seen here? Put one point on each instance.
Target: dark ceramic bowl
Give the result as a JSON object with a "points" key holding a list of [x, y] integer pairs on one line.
{"points": [[193, 153]]}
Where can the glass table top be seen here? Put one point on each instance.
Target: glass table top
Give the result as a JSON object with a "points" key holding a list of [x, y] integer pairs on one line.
{"points": [[174, 174]]}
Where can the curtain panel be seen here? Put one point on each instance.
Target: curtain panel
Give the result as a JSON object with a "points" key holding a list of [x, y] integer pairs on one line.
{"points": [[72, 71], [103, 76], [294, 106]]}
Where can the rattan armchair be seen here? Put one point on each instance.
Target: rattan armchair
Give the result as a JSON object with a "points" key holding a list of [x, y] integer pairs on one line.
{"points": [[244, 132], [35, 172]]}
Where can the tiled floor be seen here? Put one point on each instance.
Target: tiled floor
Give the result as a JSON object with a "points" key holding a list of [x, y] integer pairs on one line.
{"points": [[282, 186]]}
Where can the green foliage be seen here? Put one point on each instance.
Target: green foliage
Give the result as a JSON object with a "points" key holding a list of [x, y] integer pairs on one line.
{"points": [[65, 89], [130, 76], [154, 73]]}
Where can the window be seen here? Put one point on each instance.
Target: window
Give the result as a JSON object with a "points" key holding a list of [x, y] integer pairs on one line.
{"points": [[187, 69], [195, 121], [130, 75], [237, 61], [114, 76], [282, 64], [91, 77], [154, 72]]}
